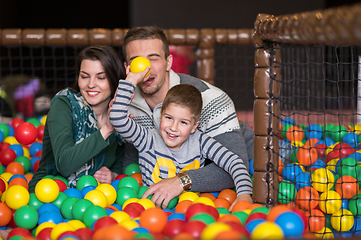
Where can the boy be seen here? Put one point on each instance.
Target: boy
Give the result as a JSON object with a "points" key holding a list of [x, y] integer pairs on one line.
{"points": [[177, 145]]}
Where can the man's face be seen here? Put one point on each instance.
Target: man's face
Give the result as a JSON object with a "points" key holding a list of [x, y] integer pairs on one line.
{"points": [[153, 50]]}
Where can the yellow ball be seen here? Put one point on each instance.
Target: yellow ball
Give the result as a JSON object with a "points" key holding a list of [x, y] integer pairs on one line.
{"points": [[205, 200], [188, 196], [11, 140], [129, 224], [120, 216], [330, 202], [325, 233], [26, 152], [109, 192], [342, 220], [322, 179], [47, 190], [77, 224], [139, 64], [43, 119], [146, 203], [267, 230], [59, 229], [6, 176], [44, 225], [213, 229], [17, 196], [97, 198]]}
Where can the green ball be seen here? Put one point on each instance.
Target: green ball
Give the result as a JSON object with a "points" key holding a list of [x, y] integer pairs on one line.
{"points": [[329, 130], [86, 180], [348, 166], [287, 192], [26, 217], [142, 190], [34, 201], [16, 237], [92, 214], [242, 216], [125, 193], [354, 205], [132, 168], [261, 210], [25, 162], [203, 217], [284, 130], [222, 210], [60, 199], [129, 182], [34, 121], [2, 169], [144, 236], [80, 207], [338, 132], [294, 156], [5, 129], [67, 206], [172, 203]]}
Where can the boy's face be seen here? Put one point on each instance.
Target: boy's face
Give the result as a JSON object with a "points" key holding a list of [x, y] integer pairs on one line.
{"points": [[176, 123]]}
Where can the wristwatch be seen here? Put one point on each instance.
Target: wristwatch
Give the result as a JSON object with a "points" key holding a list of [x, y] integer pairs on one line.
{"points": [[185, 181]]}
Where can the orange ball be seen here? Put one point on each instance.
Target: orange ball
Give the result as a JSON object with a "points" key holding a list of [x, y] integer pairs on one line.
{"points": [[208, 195], [154, 219], [230, 234], [275, 211], [241, 206], [183, 206], [19, 181], [347, 186], [137, 176], [281, 165], [295, 133], [229, 218], [307, 156], [310, 143], [316, 220], [184, 236], [15, 168], [5, 214], [221, 202], [307, 198], [228, 194], [254, 206], [29, 176]]}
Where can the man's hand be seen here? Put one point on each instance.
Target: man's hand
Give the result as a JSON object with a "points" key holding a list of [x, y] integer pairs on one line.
{"points": [[164, 191], [104, 175], [242, 197]]}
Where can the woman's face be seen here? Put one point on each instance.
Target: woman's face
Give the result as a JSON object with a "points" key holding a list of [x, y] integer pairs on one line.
{"points": [[93, 83]]}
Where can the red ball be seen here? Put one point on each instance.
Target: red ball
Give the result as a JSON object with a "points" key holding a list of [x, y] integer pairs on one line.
{"points": [[16, 122], [194, 228], [194, 209], [321, 149], [7, 156], [44, 234], [135, 205], [4, 145], [256, 215], [36, 166], [40, 132], [84, 233], [120, 176], [38, 153], [173, 228], [19, 231], [132, 211], [335, 154], [61, 184], [104, 222], [26, 133], [239, 228]]}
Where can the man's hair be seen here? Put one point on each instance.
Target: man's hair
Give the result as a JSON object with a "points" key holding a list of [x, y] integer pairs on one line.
{"points": [[145, 33], [110, 60], [185, 95]]}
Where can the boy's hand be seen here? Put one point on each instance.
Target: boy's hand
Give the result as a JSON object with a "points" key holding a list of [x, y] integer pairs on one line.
{"points": [[164, 191], [242, 197], [136, 78]]}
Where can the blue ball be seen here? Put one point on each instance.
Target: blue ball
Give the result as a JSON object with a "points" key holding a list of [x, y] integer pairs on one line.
{"points": [[87, 189], [18, 149], [356, 228], [254, 223], [50, 216], [288, 121], [302, 180], [290, 171], [179, 216], [115, 184], [109, 211], [345, 203], [1, 136], [291, 224], [329, 141], [140, 230], [313, 131], [351, 139], [33, 160], [35, 147], [356, 156], [11, 131], [46, 207], [215, 194], [73, 192], [251, 169], [117, 206], [16, 176]]}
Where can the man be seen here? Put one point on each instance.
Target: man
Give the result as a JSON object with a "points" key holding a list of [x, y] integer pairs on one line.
{"points": [[218, 119]]}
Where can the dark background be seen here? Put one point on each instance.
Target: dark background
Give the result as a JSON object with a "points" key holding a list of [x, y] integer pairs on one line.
{"points": [[164, 13]]}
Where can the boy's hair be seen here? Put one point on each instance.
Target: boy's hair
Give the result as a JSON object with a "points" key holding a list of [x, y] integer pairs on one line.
{"points": [[185, 95], [145, 33]]}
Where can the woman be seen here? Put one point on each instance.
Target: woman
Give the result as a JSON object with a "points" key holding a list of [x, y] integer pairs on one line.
{"points": [[78, 137]]}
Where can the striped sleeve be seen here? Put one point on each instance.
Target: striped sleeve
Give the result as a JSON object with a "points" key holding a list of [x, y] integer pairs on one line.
{"points": [[125, 126], [229, 161]]}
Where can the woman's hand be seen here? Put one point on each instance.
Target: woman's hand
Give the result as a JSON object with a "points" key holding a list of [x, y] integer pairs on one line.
{"points": [[242, 197], [104, 175], [164, 191]]}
